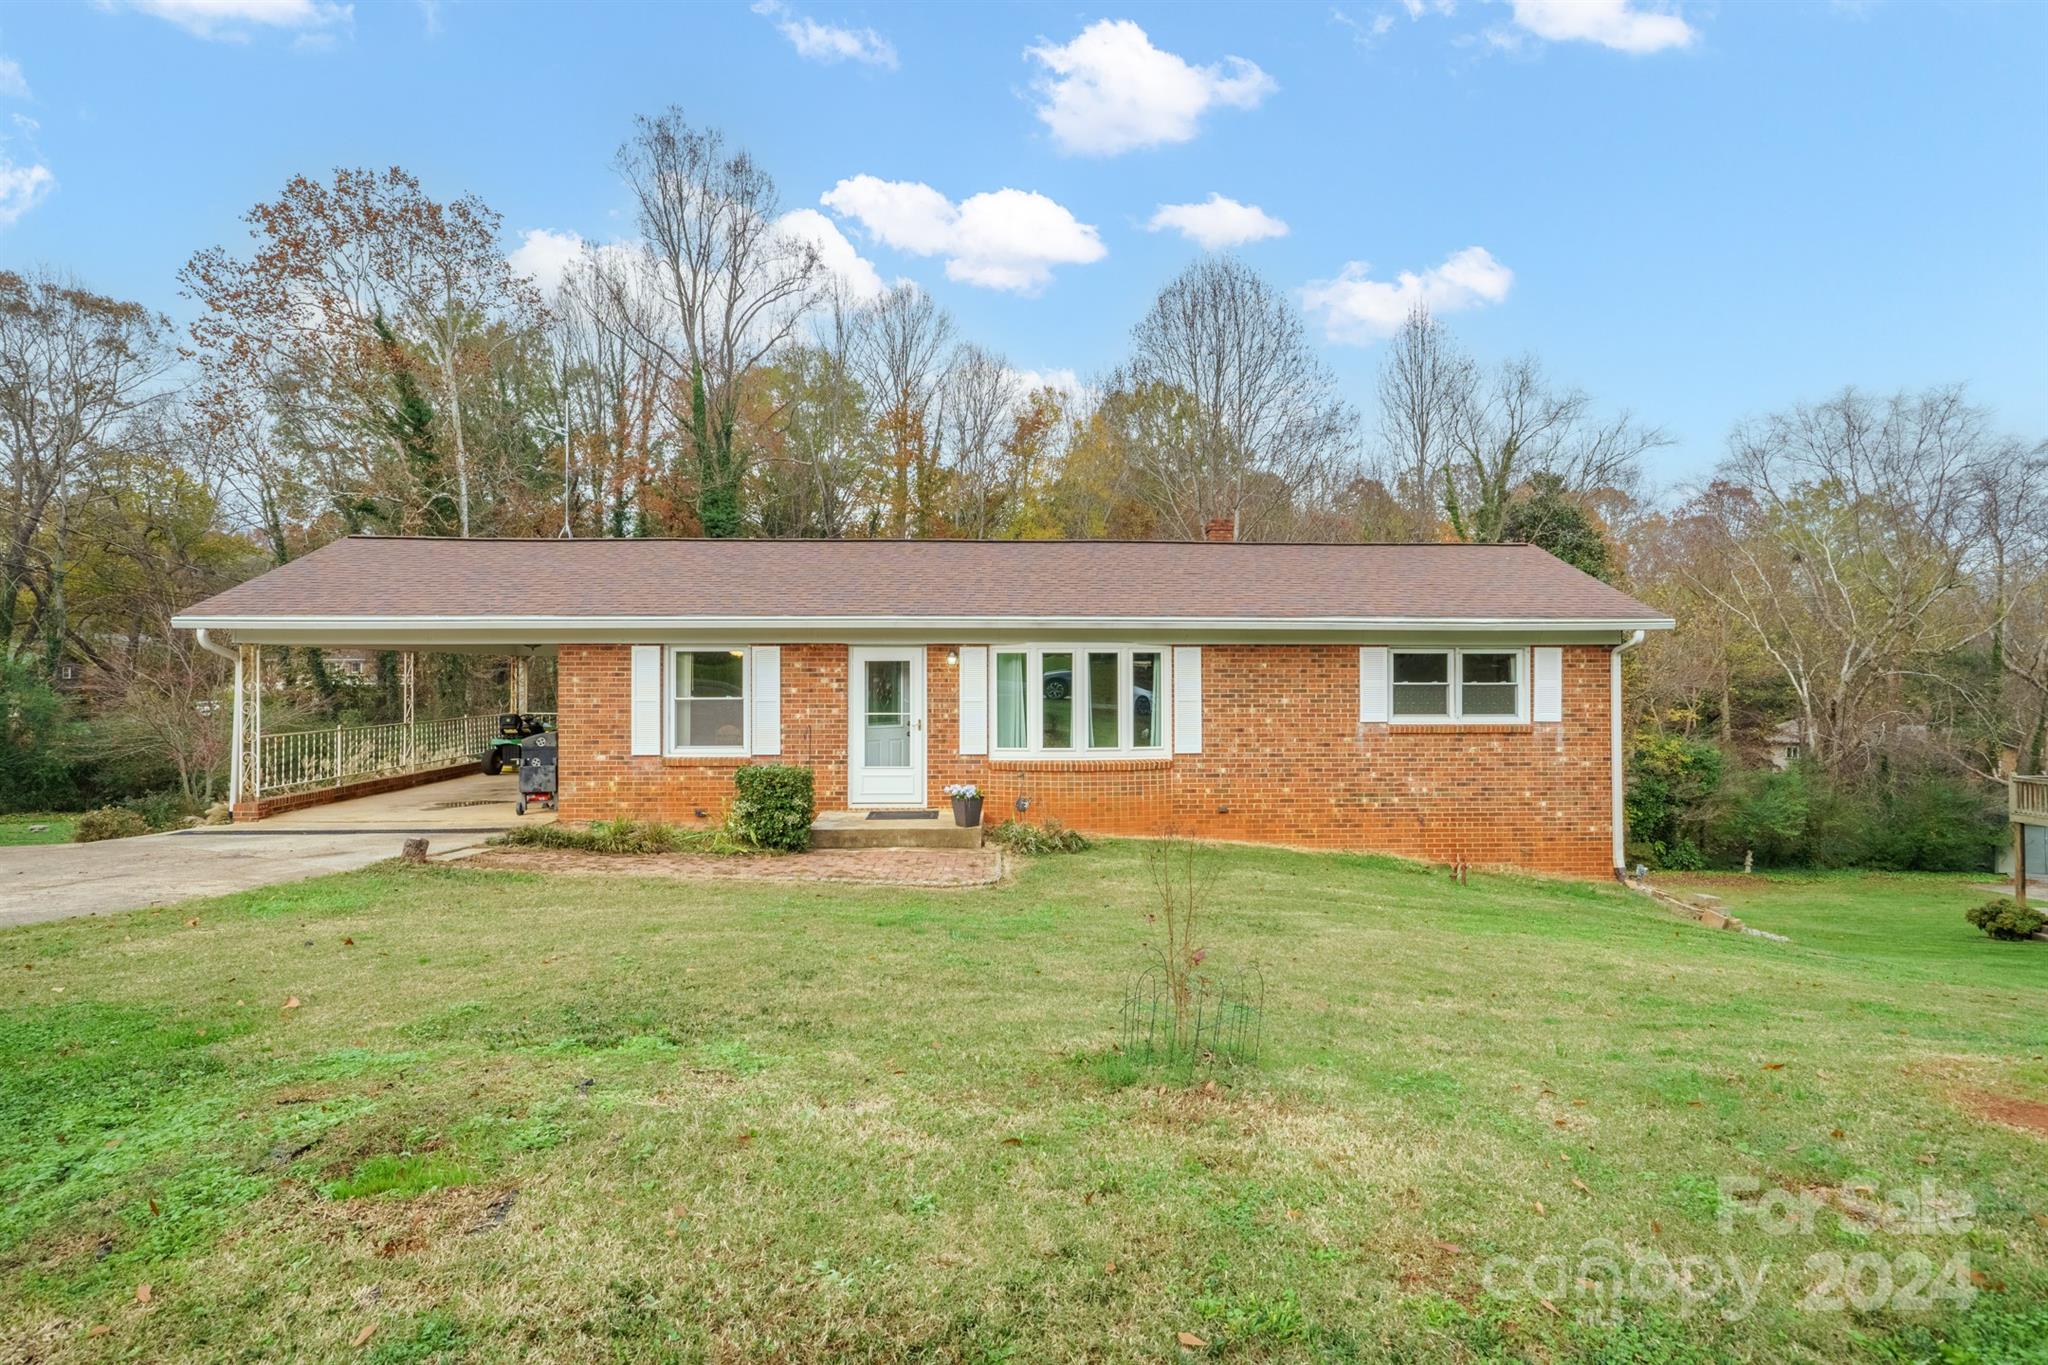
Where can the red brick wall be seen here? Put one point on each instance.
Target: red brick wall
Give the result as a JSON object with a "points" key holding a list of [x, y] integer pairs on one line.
{"points": [[1284, 761]]}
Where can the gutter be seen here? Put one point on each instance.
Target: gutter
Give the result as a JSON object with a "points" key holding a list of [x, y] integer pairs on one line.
{"points": [[1614, 749], [206, 643]]}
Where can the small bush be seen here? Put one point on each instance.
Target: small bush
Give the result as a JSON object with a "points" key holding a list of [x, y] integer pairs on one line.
{"points": [[773, 805], [1050, 837], [619, 836], [108, 822], [2004, 919], [161, 810]]}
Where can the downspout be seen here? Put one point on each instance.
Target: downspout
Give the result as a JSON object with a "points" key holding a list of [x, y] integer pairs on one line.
{"points": [[234, 656], [1614, 747]]}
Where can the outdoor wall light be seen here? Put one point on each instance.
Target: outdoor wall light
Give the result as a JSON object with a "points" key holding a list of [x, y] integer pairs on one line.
{"points": [[1023, 804], [952, 658]]}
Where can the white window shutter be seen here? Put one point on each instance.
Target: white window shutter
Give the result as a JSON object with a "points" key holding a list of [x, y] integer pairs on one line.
{"points": [[767, 702], [646, 699], [1187, 699], [1372, 685], [973, 680], [1547, 692]]}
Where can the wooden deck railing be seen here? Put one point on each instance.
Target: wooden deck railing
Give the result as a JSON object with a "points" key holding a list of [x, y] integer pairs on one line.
{"points": [[2027, 800]]}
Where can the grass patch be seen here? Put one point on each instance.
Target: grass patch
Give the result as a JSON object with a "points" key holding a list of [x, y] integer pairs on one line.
{"points": [[20, 829], [516, 1116], [402, 1175], [622, 837]]}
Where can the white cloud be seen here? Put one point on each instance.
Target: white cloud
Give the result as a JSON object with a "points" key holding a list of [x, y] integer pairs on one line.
{"points": [[230, 20], [1007, 239], [1357, 310], [546, 257], [1063, 380], [828, 43], [1217, 222], [22, 188], [13, 85], [1618, 24], [1111, 91], [841, 260]]}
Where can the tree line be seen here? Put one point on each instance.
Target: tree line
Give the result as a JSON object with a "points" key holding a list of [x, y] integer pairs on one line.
{"points": [[1865, 573]]}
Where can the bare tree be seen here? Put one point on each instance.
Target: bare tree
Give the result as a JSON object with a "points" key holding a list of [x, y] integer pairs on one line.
{"points": [[981, 405], [902, 360], [1425, 382], [1849, 556], [1512, 426], [74, 366], [351, 284], [737, 283], [1241, 418]]}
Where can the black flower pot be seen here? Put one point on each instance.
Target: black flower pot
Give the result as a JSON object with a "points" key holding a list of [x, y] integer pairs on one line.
{"points": [[967, 811]]}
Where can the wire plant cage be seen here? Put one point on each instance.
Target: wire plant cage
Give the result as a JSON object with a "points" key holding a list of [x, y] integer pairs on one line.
{"points": [[1222, 1019]]}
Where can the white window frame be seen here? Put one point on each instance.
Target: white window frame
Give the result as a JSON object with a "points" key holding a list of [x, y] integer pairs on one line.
{"points": [[1456, 687], [669, 699], [1034, 702]]}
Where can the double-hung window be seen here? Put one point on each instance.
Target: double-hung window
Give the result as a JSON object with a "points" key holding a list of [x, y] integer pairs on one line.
{"points": [[1441, 685], [1079, 701], [707, 701]]}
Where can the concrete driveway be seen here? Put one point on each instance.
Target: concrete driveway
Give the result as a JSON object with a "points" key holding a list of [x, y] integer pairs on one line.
{"points": [[56, 881]]}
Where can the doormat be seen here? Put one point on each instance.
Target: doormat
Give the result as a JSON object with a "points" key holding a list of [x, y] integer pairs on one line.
{"points": [[903, 815]]}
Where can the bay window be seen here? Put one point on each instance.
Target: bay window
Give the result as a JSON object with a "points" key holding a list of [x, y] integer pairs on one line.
{"points": [[1094, 701], [1441, 685], [708, 701]]}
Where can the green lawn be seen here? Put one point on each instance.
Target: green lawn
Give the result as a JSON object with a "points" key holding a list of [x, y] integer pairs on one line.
{"points": [[512, 1116], [16, 829]]}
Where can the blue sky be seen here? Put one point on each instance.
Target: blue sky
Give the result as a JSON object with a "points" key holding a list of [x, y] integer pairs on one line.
{"points": [[1696, 211]]}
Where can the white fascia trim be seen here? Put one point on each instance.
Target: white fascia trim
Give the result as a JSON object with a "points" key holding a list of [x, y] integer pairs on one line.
{"points": [[606, 627]]}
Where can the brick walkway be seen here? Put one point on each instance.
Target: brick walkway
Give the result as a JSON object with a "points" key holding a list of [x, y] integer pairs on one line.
{"points": [[862, 866]]}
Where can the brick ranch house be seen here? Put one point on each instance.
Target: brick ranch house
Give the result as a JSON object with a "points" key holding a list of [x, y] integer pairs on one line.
{"points": [[1446, 702]]}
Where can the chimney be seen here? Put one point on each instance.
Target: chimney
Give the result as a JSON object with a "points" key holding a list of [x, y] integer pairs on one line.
{"points": [[1220, 529]]}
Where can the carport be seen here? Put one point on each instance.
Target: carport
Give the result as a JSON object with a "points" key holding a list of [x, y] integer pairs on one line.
{"points": [[275, 772]]}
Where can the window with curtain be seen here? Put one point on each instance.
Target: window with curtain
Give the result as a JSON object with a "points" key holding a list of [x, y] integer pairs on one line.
{"points": [[709, 700], [1067, 701]]}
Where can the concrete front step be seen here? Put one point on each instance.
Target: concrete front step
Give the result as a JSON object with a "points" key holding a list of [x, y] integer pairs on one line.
{"points": [[853, 829]]}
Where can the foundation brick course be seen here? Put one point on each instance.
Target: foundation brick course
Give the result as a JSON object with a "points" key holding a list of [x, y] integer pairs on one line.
{"points": [[1285, 760]]}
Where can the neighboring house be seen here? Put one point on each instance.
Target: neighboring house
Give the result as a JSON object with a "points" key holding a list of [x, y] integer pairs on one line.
{"points": [[1786, 744], [1448, 702]]}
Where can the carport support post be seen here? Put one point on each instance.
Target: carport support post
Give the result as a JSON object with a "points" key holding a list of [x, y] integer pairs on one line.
{"points": [[515, 677], [248, 765], [408, 673]]}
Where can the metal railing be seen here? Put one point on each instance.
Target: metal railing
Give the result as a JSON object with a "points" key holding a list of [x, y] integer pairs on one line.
{"points": [[335, 756], [2027, 799]]}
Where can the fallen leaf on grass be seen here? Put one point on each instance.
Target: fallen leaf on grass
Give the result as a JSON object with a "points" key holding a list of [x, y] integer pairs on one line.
{"points": [[1539, 1208], [1550, 1308], [1294, 1213], [1013, 1142], [1580, 1185], [348, 942], [1774, 1066], [369, 1330], [1452, 1247], [192, 923], [99, 1329], [142, 1293], [1109, 1269], [291, 1002], [1192, 1342]]}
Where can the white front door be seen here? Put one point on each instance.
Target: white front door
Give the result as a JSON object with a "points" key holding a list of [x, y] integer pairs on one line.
{"points": [[886, 730]]}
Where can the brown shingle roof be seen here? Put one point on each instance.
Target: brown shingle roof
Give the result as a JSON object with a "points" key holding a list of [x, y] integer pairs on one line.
{"points": [[385, 578]]}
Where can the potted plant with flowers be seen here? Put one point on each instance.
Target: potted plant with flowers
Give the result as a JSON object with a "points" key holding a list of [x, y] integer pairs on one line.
{"points": [[966, 804]]}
